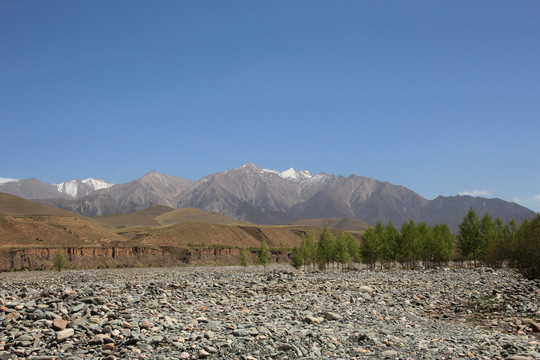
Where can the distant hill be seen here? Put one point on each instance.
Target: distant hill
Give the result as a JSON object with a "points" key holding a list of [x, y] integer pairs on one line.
{"points": [[190, 215], [54, 231], [143, 218], [11, 205], [345, 224]]}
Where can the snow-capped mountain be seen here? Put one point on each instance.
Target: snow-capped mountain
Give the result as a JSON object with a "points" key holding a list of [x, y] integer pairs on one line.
{"points": [[80, 188], [263, 196], [35, 189], [6, 180]]}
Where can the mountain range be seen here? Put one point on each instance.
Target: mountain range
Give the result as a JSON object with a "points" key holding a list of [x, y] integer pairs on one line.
{"points": [[263, 196]]}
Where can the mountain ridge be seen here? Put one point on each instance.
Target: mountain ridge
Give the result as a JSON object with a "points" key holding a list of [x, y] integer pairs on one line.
{"points": [[264, 196]]}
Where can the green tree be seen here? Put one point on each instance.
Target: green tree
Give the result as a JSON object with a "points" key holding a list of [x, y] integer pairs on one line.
{"points": [[469, 239], [263, 255], [409, 244], [488, 235], [296, 258], [389, 241], [511, 234], [443, 242], [244, 259], [370, 248], [426, 243], [341, 251], [353, 247], [527, 252], [497, 248], [308, 248], [326, 248], [59, 261]]}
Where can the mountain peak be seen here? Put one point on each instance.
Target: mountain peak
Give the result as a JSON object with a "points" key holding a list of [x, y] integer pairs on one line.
{"points": [[80, 188], [152, 173], [250, 166]]}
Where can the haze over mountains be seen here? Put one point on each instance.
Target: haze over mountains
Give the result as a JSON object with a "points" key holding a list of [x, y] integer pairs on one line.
{"points": [[264, 196]]}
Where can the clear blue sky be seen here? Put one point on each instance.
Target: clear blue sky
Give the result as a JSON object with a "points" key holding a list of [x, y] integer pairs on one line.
{"points": [[442, 97]]}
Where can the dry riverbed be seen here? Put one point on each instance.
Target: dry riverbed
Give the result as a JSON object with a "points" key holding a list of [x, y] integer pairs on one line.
{"points": [[220, 312]]}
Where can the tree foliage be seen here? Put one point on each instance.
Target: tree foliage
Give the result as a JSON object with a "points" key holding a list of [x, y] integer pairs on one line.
{"points": [[297, 259], [308, 249], [244, 259], [469, 237], [527, 250], [59, 261], [370, 247], [326, 248], [341, 251], [263, 254]]}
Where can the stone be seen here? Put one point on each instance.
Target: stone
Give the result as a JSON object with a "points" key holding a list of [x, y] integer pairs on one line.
{"points": [[59, 324], [331, 316], [64, 334], [145, 324], [109, 346], [203, 353], [365, 288], [240, 332], [533, 326]]}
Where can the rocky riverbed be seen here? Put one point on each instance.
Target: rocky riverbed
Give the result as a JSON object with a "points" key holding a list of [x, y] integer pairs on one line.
{"points": [[222, 312]]}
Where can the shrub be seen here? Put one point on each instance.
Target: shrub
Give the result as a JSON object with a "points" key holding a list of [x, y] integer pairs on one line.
{"points": [[59, 261], [296, 258]]}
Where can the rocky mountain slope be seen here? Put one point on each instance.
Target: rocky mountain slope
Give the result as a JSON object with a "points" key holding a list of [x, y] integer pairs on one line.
{"points": [[151, 189], [265, 196]]}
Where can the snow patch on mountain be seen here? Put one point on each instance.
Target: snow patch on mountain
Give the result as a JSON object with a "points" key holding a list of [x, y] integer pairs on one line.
{"points": [[293, 174], [290, 173], [7, 180], [79, 188]]}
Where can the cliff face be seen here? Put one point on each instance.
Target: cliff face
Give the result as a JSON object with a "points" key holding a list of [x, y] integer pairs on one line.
{"points": [[13, 259], [230, 256]]}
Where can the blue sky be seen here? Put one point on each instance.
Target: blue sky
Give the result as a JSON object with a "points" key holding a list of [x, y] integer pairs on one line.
{"points": [[442, 97]]}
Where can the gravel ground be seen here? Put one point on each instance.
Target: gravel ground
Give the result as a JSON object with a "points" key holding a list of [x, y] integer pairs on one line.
{"points": [[222, 312]]}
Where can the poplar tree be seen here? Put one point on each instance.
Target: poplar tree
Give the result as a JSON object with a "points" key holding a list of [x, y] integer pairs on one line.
{"points": [[262, 255], [353, 247], [296, 258], [244, 260], [409, 241], [326, 248], [370, 247], [341, 251], [443, 243], [469, 239], [308, 248]]}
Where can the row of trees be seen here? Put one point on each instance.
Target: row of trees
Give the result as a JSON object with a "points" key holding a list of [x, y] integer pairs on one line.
{"points": [[491, 242], [415, 242], [329, 250], [494, 243]]}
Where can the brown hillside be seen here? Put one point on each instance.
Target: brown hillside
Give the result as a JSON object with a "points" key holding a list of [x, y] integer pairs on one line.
{"points": [[275, 236], [144, 217], [193, 215], [196, 234], [345, 224], [54, 231], [11, 205]]}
